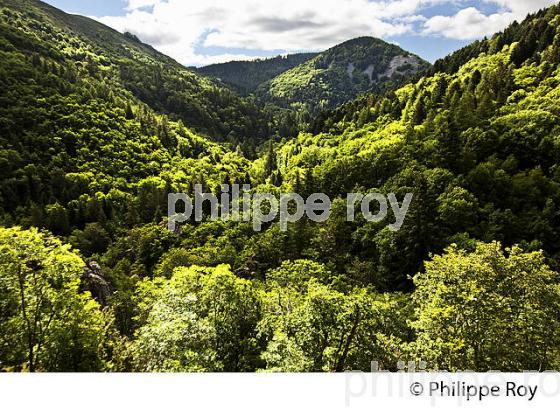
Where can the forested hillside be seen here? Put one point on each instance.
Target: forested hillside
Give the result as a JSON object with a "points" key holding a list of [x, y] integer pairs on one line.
{"points": [[117, 61], [92, 280], [246, 76], [340, 74]]}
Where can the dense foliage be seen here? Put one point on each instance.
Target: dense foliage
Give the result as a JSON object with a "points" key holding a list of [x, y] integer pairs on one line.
{"points": [[75, 42], [470, 281], [46, 323], [246, 76]]}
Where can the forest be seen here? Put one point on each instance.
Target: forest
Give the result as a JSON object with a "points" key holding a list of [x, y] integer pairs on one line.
{"points": [[246, 76], [97, 128]]}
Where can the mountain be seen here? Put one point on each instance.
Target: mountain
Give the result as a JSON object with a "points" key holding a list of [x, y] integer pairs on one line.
{"points": [[342, 73], [246, 76], [151, 77], [532, 36], [312, 82]]}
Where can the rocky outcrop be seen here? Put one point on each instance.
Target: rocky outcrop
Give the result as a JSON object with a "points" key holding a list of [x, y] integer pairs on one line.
{"points": [[403, 64], [369, 72], [93, 280], [350, 69]]}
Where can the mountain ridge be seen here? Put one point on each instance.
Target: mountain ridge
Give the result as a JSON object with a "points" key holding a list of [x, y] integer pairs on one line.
{"points": [[342, 73], [154, 78]]}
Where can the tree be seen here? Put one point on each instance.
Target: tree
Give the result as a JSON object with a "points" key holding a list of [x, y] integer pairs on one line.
{"points": [[321, 329], [457, 209], [487, 310], [57, 219], [271, 163], [297, 274], [202, 319], [309, 184], [94, 239], [45, 323]]}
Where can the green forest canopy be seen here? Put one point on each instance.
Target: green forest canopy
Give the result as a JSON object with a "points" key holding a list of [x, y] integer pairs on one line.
{"points": [[89, 151]]}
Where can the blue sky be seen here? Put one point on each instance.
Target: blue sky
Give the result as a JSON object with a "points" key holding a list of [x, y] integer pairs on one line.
{"points": [[210, 31], [96, 8]]}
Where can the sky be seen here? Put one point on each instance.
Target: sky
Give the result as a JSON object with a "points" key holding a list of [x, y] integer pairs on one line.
{"points": [[202, 32]]}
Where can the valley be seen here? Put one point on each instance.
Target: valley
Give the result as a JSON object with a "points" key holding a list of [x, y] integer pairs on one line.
{"points": [[97, 129]]}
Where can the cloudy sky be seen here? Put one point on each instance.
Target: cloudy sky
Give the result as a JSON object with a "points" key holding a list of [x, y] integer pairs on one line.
{"points": [[200, 32]]}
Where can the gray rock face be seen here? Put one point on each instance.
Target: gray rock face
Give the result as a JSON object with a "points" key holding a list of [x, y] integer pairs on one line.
{"points": [[350, 70], [400, 63], [369, 72], [93, 280]]}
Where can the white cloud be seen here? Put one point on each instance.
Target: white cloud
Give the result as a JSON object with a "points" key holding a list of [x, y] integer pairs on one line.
{"points": [[221, 58], [194, 31], [138, 4], [182, 28], [522, 7], [468, 23], [471, 23]]}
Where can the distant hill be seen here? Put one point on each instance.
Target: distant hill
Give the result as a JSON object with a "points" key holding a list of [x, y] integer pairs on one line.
{"points": [[246, 76], [342, 73]]}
